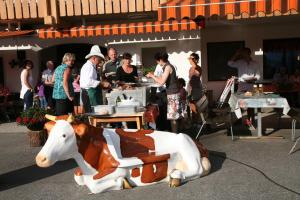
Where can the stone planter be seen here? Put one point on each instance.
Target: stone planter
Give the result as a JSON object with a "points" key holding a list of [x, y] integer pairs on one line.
{"points": [[37, 138]]}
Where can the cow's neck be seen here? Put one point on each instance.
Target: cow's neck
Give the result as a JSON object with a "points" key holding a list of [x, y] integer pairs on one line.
{"points": [[85, 167]]}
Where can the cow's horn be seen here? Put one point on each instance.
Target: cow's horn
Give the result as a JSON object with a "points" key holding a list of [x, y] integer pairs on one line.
{"points": [[50, 117], [70, 118]]}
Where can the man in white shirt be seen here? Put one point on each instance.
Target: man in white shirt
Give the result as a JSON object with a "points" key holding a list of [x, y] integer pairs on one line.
{"points": [[90, 86], [248, 73]]}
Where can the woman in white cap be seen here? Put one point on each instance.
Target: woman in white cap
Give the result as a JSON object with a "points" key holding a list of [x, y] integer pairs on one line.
{"points": [[63, 91], [91, 93]]}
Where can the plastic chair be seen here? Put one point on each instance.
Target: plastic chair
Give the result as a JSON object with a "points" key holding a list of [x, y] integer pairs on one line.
{"points": [[295, 115], [221, 111]]}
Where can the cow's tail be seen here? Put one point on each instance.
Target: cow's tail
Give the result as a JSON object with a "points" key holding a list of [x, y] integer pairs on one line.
{"points": [[204, 158]]}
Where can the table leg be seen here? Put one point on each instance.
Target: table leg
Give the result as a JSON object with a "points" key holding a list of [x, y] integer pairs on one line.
{"points": [[138, 123], [259, 128]]}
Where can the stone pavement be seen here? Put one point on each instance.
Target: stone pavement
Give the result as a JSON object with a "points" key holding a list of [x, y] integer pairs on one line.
{"points": [[243, 169]]}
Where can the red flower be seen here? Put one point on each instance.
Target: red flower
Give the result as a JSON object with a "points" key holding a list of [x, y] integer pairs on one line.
{"points": [[19, 120], [32, 121], [25, 120]]}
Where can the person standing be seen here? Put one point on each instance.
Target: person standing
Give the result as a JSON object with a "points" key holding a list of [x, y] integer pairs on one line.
{"points": [[110, 67], [89, 84], [248, 73], [41, 93], [48, 84], [127, 73], [26, 92], [76, 86], [174, 108], [195, 85], [63, 92]]}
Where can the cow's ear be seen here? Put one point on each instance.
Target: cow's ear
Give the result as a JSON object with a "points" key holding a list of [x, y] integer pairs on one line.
{"points": [[80, 129], [49, 125]]}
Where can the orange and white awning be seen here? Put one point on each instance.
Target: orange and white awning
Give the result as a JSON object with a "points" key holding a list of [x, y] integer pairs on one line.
{"points": [[119, 29], [6, 34], [228, 9]]}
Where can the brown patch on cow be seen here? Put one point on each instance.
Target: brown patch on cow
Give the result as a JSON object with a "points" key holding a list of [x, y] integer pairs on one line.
{"points": [[203, 151], [93, 147], [135, 172], [80, 129], [138, 144]]}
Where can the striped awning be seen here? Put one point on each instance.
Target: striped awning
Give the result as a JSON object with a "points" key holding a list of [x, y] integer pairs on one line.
{"points": [[228, 9], [5, 34], [119, 29]]}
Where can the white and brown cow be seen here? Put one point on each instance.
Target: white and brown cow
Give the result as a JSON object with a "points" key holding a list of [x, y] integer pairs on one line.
{"points": [[113, 159]]}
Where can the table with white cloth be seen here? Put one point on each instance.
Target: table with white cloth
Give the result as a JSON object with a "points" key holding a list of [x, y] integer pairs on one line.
{"points": [[238, 101]]}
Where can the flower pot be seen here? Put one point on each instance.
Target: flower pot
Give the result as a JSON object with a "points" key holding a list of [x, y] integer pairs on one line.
{"points": [[37, 138]]}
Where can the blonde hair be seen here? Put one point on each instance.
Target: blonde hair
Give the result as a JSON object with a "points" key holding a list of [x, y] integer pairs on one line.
{"points": [[68, 56]]}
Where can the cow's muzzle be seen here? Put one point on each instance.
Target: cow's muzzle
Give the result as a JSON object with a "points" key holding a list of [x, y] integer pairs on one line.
{"points": [[42, 161]]}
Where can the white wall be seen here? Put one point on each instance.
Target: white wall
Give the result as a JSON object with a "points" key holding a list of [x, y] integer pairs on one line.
{"points": [[253, 35]]}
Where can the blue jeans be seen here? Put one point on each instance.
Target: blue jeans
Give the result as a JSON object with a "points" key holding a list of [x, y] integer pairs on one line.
{"points": [[43, 102], [28, 99]]}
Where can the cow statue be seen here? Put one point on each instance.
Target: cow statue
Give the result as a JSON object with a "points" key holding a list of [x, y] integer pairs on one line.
{"points": [[114, 159]]}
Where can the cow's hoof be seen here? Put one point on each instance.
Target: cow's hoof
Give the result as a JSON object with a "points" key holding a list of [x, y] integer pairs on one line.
{"points": [[126, 184], [174, 182]]}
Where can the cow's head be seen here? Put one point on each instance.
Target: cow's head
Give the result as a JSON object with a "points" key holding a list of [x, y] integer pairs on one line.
{"points": [[61, 143]]}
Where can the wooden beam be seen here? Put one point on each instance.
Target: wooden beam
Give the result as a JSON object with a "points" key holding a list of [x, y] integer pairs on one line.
{"points": [[155, 4], [124, 6], [100, 7], [139, 5], [54, 11], [40, 8], [148, 5], [77, 7], [131, 5], [25, 6], [62, 8], [93, 7], [70, 8], [18, 7], [3, 12], [33, 9], [108, 6], [116, 6], [10, 9], [85, 7]]}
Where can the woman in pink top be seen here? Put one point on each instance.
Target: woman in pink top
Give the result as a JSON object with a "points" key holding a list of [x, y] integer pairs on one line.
{"points": [[76, 86]]}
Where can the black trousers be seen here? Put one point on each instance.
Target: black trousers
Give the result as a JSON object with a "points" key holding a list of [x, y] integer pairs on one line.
{"points": [[48, 94], [63, 106], [86, 101]]}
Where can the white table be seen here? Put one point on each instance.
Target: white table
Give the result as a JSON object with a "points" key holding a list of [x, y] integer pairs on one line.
{"points": [[238, 101]]}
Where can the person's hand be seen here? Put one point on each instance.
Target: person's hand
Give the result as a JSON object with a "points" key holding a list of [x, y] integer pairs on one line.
{"points": [[71, 98], [106, 84], [150, 75]]}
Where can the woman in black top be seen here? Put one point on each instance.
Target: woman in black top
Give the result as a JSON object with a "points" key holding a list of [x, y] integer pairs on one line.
{"points": [[175, 109], [127, 73]]}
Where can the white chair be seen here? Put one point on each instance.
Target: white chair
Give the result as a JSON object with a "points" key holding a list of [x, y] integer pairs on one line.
{"points": [[221, 111], [295, 115]]}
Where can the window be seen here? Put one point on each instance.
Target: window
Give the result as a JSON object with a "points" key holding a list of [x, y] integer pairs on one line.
{"points": [[281, 53], [218, 54]]}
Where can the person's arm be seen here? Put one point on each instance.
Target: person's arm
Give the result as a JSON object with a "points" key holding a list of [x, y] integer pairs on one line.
{"points": [[161, 80], [26, 81], [67, 74]]}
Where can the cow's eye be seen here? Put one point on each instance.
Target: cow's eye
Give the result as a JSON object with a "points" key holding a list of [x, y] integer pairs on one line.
{"points": [[64, 135]]}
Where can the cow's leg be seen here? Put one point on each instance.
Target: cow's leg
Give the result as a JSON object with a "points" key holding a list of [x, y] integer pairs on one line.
{"points": [[113, 181], [78, 176]]}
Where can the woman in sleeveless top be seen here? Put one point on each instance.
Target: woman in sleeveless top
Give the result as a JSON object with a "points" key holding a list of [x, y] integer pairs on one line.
{"points": [[26, 92], [175, 109], [195, 84], [63, 91]]}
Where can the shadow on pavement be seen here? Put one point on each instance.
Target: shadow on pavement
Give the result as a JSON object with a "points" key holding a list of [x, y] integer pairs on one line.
{"points": [[216, 160], [32, 173]]}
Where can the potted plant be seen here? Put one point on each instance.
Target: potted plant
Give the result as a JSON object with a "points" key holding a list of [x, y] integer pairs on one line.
{"points": [[34, 119]]}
